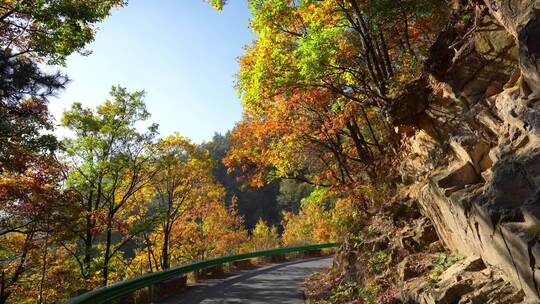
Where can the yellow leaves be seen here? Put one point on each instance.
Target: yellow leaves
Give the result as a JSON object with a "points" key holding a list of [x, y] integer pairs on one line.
{"points": [[322, 218], [131, 220], [313, 224], [263, 237], [138, 265], [207, 230], [174, 141], [321, 12], [217, 4], [59, 279], [192, 219]]}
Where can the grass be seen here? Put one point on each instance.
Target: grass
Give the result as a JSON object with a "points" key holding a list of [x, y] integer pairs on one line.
{"points": [[442, 264]]}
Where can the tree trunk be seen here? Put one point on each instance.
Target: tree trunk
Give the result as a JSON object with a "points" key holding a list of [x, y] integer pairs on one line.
{"points": [[371, 129], [165, 251], [107, 257], [87, 249], [4, 295], [406, 28], [148, 253], [89, 238], [4, 298], [386, 55], [363, 151], [44, 269]]}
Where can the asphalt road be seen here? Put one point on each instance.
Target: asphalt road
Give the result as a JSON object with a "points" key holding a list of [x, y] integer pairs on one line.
{"points": [[275, 283]]}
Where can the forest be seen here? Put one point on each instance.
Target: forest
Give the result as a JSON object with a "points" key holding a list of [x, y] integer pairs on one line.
{"points": [[114, 200], [350, 107]]}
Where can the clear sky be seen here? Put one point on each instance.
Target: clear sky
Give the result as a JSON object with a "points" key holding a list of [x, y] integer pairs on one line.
{"points": [[181, 52]]}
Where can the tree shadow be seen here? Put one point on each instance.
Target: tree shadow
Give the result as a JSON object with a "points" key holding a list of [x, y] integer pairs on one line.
{"points": [[245, 287]]}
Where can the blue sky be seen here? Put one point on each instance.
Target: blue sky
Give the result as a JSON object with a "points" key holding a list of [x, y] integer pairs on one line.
{"points": [[181, 52]]}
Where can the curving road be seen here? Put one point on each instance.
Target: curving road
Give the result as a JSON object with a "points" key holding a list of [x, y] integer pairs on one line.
{"points": [[276, 283]]}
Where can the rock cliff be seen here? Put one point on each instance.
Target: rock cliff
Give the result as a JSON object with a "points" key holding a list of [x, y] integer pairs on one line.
{"points": [[464, 226], [476, 152]]}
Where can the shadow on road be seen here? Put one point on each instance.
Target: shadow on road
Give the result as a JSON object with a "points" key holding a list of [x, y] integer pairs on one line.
{"points": [[278, 283]]}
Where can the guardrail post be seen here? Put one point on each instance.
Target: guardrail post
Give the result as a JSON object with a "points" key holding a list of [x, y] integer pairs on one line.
{"points": [[210, 272], [242, 264], [151, 290], [278, 258], [311, 253]]}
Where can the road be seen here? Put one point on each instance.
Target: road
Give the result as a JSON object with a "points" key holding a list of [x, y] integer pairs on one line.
{"points": [[275, 283]]}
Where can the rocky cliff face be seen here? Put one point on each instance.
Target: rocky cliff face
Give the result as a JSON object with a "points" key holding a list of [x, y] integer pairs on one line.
{"points": [[477, 150], [471, 165]]}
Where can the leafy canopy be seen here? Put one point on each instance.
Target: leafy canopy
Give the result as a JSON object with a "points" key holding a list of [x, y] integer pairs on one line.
{"points": [[51, 30]]}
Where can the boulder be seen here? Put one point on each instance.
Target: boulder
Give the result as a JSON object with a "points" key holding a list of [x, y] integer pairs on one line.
{"points": [[468, 281], [458, 178]]}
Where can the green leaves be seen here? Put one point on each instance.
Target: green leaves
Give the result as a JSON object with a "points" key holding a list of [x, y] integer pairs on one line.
{"points": [[444, 261], [316, 51], [266, 13], [319, 196], [217, 4], [109, 163], [116, 117], [56, 28]]}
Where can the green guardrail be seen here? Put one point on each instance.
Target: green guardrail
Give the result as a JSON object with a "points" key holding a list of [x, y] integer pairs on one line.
{"points": [[117, 290]]}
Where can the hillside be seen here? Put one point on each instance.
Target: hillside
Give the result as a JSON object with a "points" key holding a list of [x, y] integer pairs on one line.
{"points": [[469, 165]]}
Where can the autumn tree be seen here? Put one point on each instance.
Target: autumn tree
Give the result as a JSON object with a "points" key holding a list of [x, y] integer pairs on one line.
{"points": [[317, 85], [183, 181], [219, 230], [313, 222], [194, 222], [28, 196], [263, 237], [29, 174], [50, 30], [204, 227], [109, 164], [32, 32], [323, 217]]}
